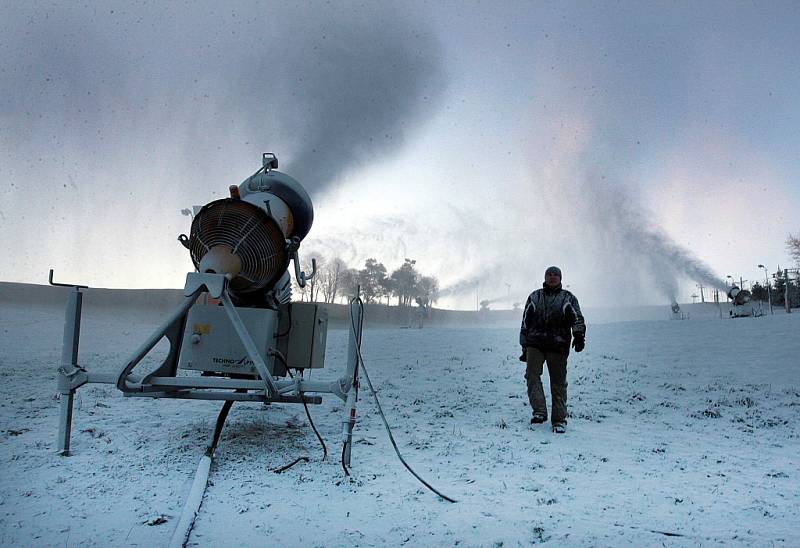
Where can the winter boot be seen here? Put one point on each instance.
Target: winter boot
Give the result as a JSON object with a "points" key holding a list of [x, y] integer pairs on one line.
{"points": [[559, 427], [538, 418]]}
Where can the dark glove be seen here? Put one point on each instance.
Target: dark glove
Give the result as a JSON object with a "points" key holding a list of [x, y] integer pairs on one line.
{"points": [[578, 343], [524, 356]]}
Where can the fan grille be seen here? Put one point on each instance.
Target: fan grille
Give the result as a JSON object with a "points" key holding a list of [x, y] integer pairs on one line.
{"points": [[254, 237]]}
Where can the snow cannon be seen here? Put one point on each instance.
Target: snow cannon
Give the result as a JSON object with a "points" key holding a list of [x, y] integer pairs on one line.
{"points": [[676, 311], [739, 296], [742, 303], [251, 236], [237, 335]]}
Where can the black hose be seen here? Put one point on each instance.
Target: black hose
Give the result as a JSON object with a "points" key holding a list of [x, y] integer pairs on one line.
{"points": [[314, 428], [223, 414], [287, 466], [344, 466], [383, 417]]}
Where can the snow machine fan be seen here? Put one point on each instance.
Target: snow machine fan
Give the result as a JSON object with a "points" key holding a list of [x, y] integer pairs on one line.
{"points": [[238, 239], [251, 236]]}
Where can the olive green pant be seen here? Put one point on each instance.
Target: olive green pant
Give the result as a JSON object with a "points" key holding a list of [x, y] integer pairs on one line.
{"points": [[557, 369]]}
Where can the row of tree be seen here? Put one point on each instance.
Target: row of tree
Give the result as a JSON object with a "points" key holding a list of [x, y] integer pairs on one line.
{"points": [[335, 280], [785, 284], [778, 291]]}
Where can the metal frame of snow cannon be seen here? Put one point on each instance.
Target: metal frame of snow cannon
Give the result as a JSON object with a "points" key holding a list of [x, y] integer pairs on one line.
{"points": [[288, 205], [164, 382]]}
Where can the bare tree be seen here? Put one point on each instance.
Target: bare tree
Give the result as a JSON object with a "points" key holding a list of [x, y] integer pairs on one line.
{"points": [[331, 278], [348, 285], [793, 247]]}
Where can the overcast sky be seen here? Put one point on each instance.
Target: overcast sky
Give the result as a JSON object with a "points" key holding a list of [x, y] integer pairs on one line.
{"points": [[642, 147]]}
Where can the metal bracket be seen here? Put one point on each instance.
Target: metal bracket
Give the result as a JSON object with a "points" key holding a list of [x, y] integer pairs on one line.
{"points": [[70, 381], [215, 283], [76, 286], [184, 240]]}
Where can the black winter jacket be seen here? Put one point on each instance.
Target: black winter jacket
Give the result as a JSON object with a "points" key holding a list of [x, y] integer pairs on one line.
{"points": [[549, 316]]}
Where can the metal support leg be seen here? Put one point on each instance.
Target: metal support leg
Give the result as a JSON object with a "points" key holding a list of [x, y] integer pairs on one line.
{"points": [[249, 345], [68, 367], [123, 383], [353, 346], [65, 423]]}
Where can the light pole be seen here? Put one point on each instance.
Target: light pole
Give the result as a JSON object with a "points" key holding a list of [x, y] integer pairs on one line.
{"points": [[769, 291]]}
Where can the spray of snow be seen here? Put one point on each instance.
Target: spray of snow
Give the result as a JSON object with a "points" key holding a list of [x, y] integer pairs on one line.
{"points": [[136, 113], [369, 84]]}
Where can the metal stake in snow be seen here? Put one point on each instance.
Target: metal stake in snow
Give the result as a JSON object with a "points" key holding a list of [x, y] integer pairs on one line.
{"points": [[70, 375]]}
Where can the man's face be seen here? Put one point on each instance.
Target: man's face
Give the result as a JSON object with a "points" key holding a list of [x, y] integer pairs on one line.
{"points": [[552, 279]]}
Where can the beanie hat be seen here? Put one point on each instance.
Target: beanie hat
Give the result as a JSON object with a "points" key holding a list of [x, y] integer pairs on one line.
{"points": [[553, 270]]}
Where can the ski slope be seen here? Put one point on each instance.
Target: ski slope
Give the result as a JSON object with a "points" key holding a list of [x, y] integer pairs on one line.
{"points": [[682, 433]]}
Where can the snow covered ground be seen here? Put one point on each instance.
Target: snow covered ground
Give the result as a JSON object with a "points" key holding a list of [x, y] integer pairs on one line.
{"points": [[682, 433]]}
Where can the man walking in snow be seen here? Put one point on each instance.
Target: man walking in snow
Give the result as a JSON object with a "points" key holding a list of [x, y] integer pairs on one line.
{"points": [[552, 318]]}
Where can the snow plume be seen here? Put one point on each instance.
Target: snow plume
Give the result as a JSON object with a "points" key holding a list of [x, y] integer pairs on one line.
{"points": [[488, 281], [461, 287], [137, 112], [634, 243], [361, 87], [602, 122], [597, 215]]}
